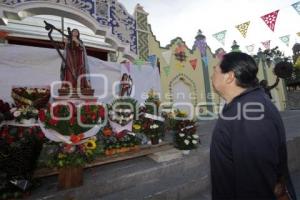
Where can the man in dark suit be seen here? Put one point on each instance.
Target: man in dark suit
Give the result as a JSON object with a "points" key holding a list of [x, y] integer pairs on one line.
{"points": [[248, 149]]}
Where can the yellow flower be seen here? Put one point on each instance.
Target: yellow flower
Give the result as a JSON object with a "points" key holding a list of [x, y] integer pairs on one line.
{"points": [[88, 152], [136, 127], [61, 155], [90, 144]]}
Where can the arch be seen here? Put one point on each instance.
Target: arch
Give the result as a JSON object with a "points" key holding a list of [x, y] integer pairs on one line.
{"points": [[186, 80], [87, 17]]}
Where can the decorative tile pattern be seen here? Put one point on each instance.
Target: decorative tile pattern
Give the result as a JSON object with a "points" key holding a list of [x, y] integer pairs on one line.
{"points": [[143, 45], [123, 25], [142, 21], [108, 13]]}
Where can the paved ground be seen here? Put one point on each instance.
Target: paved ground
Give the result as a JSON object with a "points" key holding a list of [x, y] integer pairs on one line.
{"points": [[295, 177]]}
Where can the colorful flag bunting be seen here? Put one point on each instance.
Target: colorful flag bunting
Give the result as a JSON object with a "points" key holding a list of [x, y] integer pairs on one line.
{"points": [[139, 62], [167, 56], [152, 59], [243, 28], [296, 6], [266, 44], [285, 39], [220, 36], [270, 19], [193, 63], [167, 70], [205, 61], [250, 48]]}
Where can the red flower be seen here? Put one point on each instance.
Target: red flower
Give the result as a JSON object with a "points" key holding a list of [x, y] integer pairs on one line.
{"points": [[121, 134], [41, 135], [10, 139], [53, 122], [87, 109], [72, 121], [76, 138], [101, 112], [94, 116], [82, 118], [42, 115]]}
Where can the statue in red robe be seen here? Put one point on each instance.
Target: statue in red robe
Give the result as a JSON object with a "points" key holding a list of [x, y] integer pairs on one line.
{"points": [[76, 63]]}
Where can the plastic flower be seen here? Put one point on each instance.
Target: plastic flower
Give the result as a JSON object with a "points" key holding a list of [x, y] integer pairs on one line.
{"points": [[17, 113], [76, 138], [136, 127], [194, 142], [90, 145], [195, 136], [181, 134], [61, 155], [154, 126], [12, 110], [187, 142]]}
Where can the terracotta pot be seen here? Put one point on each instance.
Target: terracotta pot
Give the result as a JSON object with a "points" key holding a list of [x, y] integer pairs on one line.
{"points": [[70, 177]]}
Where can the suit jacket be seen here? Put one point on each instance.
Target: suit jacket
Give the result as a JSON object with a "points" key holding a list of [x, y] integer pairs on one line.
{"points": [[248, 150]]}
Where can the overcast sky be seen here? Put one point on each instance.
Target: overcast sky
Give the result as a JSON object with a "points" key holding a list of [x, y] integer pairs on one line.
{"points": [[182, 18]]}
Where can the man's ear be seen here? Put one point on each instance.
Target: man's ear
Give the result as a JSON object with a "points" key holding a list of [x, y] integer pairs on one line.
{"points": [[229, 77]]}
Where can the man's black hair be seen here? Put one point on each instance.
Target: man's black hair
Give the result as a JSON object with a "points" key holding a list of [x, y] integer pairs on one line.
{"points": [[243, 66]]}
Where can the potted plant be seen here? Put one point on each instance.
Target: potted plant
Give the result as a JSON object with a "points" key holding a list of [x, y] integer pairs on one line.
{"points": [[25, 114], [73, 128], [185, 136], [19, 152], [70, 159]]}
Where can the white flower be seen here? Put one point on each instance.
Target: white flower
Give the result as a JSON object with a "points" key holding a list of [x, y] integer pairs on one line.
{"points": [[155, 126], [187, 142], [194, 142], [29, 91], [181, 134], [41, 90], [35, 111], [12, 110], [127, 111], [195, 136], [17, 113]]}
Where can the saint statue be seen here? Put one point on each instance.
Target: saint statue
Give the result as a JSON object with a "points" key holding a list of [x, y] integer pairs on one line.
{"points": [[125, 85], [74, 67], [75, 62]]}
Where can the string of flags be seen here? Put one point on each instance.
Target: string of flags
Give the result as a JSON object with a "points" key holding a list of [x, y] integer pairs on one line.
{"points": [[220, 36], [243, 28], [269, 19], [267, 44]]}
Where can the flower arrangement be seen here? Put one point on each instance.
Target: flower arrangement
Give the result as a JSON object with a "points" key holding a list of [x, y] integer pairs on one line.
{"points": [[122, 110], [31, 96], [25, 115], [5, 111], [120, 143], [71, 120], [152, 103], [186, 137], [68, 155], [153, 130], [13, 135], [19, 151]]}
